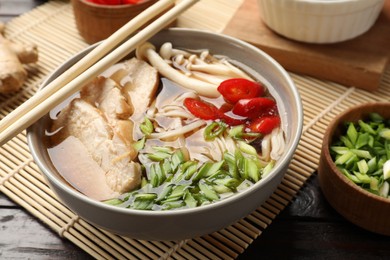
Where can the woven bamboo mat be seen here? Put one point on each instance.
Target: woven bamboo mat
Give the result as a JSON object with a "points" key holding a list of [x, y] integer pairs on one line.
{"points": [[51, 26]]}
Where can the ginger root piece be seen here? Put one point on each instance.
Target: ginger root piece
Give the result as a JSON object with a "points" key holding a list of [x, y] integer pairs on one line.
{"points": [[12, 57]]}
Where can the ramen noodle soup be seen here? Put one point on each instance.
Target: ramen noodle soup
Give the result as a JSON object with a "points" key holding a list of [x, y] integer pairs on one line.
{"points": [[167, 129]]}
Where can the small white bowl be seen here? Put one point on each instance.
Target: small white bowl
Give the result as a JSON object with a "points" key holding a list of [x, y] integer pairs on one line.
{"points": [[320, 21]]}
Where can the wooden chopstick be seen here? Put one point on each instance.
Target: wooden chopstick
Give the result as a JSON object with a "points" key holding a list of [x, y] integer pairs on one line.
{"points": [[89, 67], [91, 58], [102, 49]]}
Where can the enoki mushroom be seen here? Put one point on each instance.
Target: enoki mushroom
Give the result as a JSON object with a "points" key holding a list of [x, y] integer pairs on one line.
{"points": [[202, 73]]}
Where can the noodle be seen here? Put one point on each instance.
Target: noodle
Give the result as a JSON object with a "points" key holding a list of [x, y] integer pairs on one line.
{"points": [[181, 131], [266, 148], [277, 144]]}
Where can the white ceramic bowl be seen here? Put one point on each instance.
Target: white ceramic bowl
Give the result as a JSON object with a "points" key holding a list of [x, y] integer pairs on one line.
{"points": [[186, 223], [320, 21]]}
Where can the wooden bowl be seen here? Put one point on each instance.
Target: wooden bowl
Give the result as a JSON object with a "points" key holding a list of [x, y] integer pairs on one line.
{"points": [[96, 22], [357, 205]]}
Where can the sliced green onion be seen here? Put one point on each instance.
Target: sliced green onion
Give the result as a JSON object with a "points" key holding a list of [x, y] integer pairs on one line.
{"points": [[214, 130], [381, 162], [267, 169], [208, 191], [231, 183], [172, 204], [156, 175], [352, 133], [371, 141], [176, 193], [240, 160], [162, 149], [375, 117], [221, 189], [384, 189], [244, 185], [344, 158], [140, 144], [147, 127], [385, 133], [166, 167], [364, 178], [362, 153], [189, 169], [372, 165], [339, 149], [158, 156], [177, 159], [362, 166], [144, 201], [231, 164], [374, 184], [236, 132], [350, 176], [247, 148], [165, 192], [189, 200], [213, 169], [362, 140], [366, 127], [202, 171], [386, 170], [114, 202], [347, 142], [250, 167], [144, 182], [351, 162]]}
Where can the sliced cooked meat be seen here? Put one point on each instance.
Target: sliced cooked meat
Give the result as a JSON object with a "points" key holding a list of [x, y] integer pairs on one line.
{"points": [[78, 163], [84, 121], [109, 98], [105, 146], [140, 80], [122, 174], [115, 104], [100, 120], [124, 130]]}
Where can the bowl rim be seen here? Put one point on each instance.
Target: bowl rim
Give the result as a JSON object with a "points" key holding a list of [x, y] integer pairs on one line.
{"points": [[329, 2], [324, 8], [116, 6], [283, 162], [328, 136]]}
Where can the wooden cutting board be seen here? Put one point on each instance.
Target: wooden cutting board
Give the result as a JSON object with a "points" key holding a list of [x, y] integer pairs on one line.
{"points": [[359, 62]]}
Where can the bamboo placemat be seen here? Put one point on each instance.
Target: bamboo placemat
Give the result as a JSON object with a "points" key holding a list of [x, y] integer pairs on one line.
{"points": [[51, 26]]}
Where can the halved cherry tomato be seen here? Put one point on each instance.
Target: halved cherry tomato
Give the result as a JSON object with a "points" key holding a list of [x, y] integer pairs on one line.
{"points": [[254, 107], [225, 107], [264, 125], [201, 109], [235, 89]]}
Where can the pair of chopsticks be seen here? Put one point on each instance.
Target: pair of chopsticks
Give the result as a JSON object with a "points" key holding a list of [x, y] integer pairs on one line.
{"points": [[109, 52]]}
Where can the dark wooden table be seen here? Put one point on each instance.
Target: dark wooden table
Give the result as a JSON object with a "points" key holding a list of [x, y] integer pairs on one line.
{"points": [[307, 229]]}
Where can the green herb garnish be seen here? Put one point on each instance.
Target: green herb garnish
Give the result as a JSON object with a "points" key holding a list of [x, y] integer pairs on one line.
{"points": [[363, 154], [173, 182]]}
